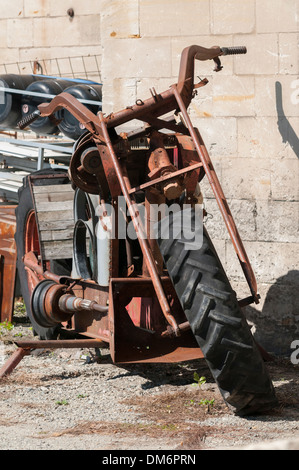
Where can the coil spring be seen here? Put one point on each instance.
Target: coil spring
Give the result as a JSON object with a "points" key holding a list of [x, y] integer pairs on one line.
{"points": [[28, 119]]}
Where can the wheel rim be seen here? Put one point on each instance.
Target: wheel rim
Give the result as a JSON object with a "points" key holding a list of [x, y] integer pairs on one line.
{"points": [[31, 234], [31, 244]]}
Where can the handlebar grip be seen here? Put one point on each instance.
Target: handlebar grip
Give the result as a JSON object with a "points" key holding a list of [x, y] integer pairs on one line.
{"points": [[233, 50], [28, 119]]}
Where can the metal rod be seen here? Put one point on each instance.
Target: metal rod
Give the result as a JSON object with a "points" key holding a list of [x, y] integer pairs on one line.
{"points": [[60, 343], [13, 361], [220, 198]]}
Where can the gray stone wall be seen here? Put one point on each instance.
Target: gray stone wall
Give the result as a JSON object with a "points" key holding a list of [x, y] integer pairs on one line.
{"points": [[247, 114]]}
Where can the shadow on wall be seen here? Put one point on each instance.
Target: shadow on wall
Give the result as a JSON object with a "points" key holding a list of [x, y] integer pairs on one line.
{"points": [[286, 130], [277, 325]]}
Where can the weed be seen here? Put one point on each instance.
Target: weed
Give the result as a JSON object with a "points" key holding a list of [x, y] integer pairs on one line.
{"points": [[61, 402], [5, 326], [199, 380]]}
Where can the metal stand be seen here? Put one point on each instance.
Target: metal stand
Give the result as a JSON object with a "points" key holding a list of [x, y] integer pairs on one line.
{"points": [[25, 348]]}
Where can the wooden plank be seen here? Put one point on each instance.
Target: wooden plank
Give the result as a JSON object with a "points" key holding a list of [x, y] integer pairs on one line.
{"points": [[45, 225], [55, 235], [60, 216], [54, 197], [54, 206], [51, 188], [57, 249]]}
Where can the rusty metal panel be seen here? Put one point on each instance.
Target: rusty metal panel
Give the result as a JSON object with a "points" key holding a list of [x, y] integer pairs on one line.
{"points": [[8, 257]]}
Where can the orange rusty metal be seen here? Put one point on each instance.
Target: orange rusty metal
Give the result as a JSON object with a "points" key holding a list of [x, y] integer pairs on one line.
{"points": [[8, 257], [168, 336]]}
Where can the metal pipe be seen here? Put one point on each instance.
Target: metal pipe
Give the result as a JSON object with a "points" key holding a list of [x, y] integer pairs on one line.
{"points": [[71, 303], [220, 198]]}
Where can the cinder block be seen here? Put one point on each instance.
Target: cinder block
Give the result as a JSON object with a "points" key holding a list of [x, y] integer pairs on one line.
{"points": [[262, 137], [36, 8], [19, 33], [233, 97], [285, 179], [277, 221], [219, 134], [122, 93], [80, 7], [127, 58], [262, 54], [3, 33], [174, 18], [243, 212], [12, 9], [246, 178], [232, 16], [56, 32], [119, 19], [270, 260], [277, 15], [288, 59], [8, 56], [89, 30], [276, 95]]}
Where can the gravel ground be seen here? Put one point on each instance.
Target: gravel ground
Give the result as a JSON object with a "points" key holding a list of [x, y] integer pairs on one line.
{"points": [[70, 399]]}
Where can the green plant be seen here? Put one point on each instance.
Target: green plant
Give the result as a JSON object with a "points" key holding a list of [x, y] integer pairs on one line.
{"points": [[5, 326], [199, 380], [205, 401], [61, 402]]}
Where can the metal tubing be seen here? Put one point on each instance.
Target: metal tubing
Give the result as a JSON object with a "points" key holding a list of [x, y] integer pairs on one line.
{"points": [[60, 343], [140, 233], [220, 198], [13, 361], [25, 348]]}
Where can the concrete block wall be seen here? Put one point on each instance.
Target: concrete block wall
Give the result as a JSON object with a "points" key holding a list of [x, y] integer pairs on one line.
{"points": [[247, 114], [42, 30]]}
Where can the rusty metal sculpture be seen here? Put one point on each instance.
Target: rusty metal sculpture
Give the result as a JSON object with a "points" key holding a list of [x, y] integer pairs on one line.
{"points": [[145, 311]]}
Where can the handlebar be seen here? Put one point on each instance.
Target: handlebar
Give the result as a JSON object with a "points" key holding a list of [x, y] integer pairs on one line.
{"points": [[152, 107], [233, 50], [189, 54]]}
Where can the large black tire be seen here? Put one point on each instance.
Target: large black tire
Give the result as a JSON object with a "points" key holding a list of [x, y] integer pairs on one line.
{"points": [[25, 206], [218, 324]]}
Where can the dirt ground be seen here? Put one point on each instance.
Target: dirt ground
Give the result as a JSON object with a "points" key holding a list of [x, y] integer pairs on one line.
{"points": [[73, 399]]}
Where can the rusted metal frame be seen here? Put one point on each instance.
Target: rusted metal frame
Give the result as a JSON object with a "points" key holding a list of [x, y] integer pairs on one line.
{"points": [[160, 123], [8, 256], [30, 262], [186, 71], [162, 346], [144, 245], [220, 198], [13, 361], [145, 285], [77, 109], [164, 178], [25, 347]]}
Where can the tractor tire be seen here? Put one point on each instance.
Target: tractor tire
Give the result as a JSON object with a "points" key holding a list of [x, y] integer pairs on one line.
{"points": [[218, 324], [24, 208]]}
